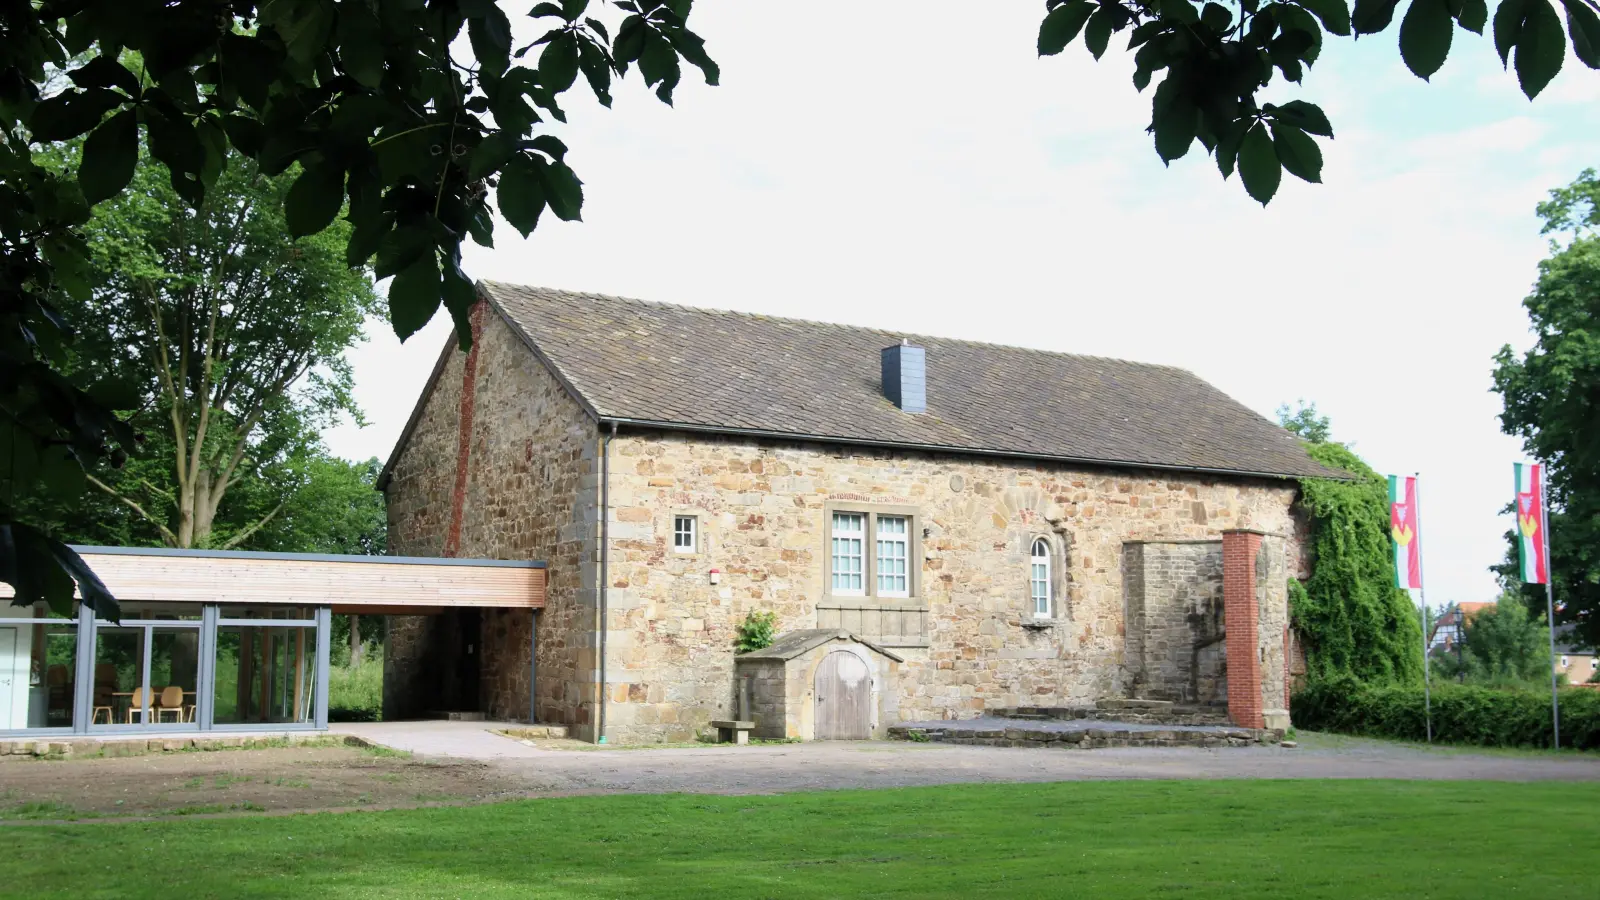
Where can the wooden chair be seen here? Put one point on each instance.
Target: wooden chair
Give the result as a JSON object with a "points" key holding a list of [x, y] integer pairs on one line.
{"points": [[171, 701], [102, 700], [137, 702]]}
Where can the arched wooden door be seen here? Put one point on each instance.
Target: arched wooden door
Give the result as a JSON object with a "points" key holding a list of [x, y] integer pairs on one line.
{"points": [[844, 698]]}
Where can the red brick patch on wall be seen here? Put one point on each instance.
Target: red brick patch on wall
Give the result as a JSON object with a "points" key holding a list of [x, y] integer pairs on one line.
{"points": [[469, 385], [1241, 612]]}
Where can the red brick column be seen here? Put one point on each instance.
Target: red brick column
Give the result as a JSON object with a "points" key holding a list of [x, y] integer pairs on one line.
{"points": [[1241, 618], [469, 390]]}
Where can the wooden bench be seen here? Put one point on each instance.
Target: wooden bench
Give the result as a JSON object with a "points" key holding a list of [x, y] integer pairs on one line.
{"points": [[733, 731]]}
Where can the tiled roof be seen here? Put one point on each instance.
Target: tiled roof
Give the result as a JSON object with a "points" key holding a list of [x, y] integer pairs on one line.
{"points": [[707, 369]]}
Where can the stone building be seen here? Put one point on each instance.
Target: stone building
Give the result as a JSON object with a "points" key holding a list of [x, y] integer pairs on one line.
{"points": [[1011, 527]]}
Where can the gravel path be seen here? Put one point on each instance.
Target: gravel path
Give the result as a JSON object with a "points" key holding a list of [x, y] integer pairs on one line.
{"points": [[821, 766]]}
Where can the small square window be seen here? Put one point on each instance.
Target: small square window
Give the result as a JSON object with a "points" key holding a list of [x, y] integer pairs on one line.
{"points": [[685, 534]]}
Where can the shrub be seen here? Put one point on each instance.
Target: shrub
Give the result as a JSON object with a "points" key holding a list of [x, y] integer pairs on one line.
{"points": [[355, 693], [756, 632], [1462, 714]]}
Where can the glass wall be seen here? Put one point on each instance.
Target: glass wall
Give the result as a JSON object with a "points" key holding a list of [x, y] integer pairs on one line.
{"points": [[38, 674], [265, 673], [163, 667]]}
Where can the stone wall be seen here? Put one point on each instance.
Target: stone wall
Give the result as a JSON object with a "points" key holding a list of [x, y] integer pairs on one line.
{"points": [[529, 493], [1175, 621], [762, 506]]}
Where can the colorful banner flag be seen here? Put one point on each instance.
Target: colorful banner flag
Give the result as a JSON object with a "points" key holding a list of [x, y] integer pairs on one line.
{"points": [[1403, 527], [1531, 522]]}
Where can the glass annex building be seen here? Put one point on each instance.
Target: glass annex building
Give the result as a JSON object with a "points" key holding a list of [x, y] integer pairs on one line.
{"points": [[217, 640]]}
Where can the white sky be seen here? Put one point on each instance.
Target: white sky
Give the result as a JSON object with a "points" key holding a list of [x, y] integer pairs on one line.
{"points": [[909, 166]]}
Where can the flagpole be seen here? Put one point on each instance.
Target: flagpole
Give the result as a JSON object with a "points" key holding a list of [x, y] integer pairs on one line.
{"points": [[1549, 602], [1422, 595]]}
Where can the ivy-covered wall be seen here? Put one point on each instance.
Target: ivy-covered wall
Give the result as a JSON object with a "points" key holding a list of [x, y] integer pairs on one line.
{"points": [[1353, 619]]}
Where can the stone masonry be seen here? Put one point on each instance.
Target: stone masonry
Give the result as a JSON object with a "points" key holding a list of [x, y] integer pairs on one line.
{"points": [[1174, 633], [967, 635], [529, 492]]}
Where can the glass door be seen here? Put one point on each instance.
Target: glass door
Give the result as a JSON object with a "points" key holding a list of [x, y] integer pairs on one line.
{"points": [[146, 674]]}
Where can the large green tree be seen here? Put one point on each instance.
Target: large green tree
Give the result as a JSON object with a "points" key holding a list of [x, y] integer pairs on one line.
{"points": [[1354, 620], [1551, 396], [1503, 645], [187, 309]]}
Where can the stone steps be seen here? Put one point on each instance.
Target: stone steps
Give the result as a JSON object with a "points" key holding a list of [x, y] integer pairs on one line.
{"points": [[1142, 712], [1087, 738]]}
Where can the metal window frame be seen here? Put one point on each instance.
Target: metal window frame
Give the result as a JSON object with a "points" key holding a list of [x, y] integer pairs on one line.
{"points": [[88, 627]]}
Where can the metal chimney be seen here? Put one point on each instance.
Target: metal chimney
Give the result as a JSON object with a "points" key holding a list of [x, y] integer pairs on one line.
{"points": [[905, 376]]}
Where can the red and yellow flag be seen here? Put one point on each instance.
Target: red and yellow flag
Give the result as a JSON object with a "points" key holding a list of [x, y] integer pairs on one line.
{"points": [[1531, 524], [1403, 528]]}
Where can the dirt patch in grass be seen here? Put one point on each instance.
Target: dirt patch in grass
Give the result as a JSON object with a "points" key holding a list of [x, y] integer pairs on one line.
{"points": [[244, 781]]}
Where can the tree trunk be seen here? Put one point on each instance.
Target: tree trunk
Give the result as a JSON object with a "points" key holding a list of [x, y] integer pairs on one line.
{"points": [[356, 645], [205, 512]]}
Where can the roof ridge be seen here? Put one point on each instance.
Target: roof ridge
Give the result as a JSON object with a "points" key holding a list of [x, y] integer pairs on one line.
{"points": [[818, 323]]}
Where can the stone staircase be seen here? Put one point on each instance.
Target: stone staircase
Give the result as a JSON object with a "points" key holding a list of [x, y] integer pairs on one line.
{"points": [[1141, 712], [1109, 723]]}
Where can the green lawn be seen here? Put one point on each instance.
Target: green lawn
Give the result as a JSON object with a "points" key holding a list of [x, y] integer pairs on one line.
{"points": [[1297, 839]]}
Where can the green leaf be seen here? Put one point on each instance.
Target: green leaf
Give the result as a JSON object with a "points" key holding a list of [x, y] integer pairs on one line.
{"points": [[1181, 11], [1298, 153], [549, 145], [315, 199], [360, 43], [490, 35], [1372, 16], [400, 248], [1062, 24], [1425, 37], [1541, 47], [174, 142], [693, 49], [1216, 17], [1473, 15], [304, 25], [521, 195], [67, 115], [1584, 26], [1301, 35], [1334, 15], [659, 65], [1175, 131], [109, 156], [558, 64], [105, 72], [563, 190], [1305, 116], [596, 70], [1097, 33], [1258, 164], [1507, 26], [491, 153], [414, 296]]}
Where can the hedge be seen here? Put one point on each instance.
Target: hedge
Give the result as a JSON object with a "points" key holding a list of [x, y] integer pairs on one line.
{"points": [[1485, 717]]}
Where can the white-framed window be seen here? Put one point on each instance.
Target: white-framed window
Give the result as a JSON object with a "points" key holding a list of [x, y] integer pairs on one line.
{"points": [[848, 556], [685, 534], [1564, 663], [894, 551], [1039, 578]]}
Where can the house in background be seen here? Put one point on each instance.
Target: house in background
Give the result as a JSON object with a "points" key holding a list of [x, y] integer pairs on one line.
{"points": [[979, 527], [1580, 664], [1451, 626]]}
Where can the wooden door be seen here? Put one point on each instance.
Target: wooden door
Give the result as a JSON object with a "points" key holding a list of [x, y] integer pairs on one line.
{"points": [[844, 698]]}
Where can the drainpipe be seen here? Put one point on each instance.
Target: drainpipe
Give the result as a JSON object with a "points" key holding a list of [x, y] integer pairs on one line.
{"points": [[605, 574]]}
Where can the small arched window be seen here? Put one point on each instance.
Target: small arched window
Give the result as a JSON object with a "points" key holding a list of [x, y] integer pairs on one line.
{"points": [[1039, 578]]}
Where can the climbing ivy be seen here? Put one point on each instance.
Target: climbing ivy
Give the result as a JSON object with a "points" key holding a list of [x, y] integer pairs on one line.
{"points": [[1354, 621]]}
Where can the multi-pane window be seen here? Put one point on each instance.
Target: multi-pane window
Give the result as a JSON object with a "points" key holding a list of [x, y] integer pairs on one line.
{"points": [[849, 538], [893, 536], [1039, 578], [684, 534]]}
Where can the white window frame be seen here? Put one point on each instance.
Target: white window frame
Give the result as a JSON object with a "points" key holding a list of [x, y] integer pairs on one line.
{"points": [[856, 535], [1041, 589], [892, 547], [692, 531]]}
